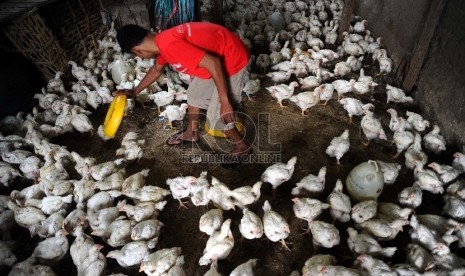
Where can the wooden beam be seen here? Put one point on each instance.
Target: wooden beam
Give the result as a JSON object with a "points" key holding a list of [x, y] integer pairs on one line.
{"points": [[346, 17], [219, 12], [421, 48]]}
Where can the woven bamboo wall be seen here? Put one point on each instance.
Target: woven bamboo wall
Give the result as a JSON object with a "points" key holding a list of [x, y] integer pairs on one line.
{"points": [[30, 35], [77, 25]]}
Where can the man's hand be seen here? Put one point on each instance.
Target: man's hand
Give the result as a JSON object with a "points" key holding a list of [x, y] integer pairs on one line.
{"points": [[128, 92], [227, 113]]}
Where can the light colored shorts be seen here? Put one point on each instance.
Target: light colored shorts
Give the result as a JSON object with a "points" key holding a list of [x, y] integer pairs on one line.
{"points": [[202, 93]]}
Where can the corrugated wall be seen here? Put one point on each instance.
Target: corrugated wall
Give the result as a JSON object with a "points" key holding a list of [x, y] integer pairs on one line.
{"points": [[440, 86]]}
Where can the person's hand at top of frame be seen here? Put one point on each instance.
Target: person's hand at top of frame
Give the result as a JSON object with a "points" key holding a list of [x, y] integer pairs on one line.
{"points": [[130, 93]]}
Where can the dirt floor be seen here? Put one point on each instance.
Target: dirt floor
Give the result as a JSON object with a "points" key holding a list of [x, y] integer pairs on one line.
{"points": [[273, 132]]}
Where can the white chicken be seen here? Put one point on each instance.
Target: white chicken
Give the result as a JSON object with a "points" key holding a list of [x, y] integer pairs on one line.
{"points": [[147, 230], [308, 209], [221, 195], [355, 107], [279, 173], [391, 211], [219, 245], [311, 183], [454, 207], [159, 262], [130, 254], [246, 268], [343, 86], [403, 138], [282, 92], [52, 250], [341, 69], [446, 173], [364, 211], [372, 266], [362, 243], [326, 92], [417, 121], [340, 206], [324, 234], [372, 127], [56, 84], [274, 225], [306, 100], [419, 257], [415, 153], [211, 221], [411, 197], [397, 95], [251, 226], [174, 113], [141, 211], [434, 142], [382, 229], [163, 98], [79, 72], [459, 161], [385, 64], [286, 65], [246, 195], [427, 179], [81, 122], [423, 235], [311, 81], [279, 76], [339, 146], [103, 170], [390, 171], [131, 147], [7, 173], [251, 87]]}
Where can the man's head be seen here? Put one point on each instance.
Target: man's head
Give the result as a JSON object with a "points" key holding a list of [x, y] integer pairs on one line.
{"points": [[132, 38]]}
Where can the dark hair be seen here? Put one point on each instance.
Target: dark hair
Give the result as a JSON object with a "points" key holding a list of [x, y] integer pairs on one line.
{"points": [[129, 36]]}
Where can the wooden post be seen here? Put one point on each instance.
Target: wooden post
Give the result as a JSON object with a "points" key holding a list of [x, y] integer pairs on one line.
{"points": [[421, 48], [219, 12], [346, 17]]}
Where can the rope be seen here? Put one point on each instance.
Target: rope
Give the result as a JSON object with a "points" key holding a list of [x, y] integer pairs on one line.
{"points": [[169, 13]]}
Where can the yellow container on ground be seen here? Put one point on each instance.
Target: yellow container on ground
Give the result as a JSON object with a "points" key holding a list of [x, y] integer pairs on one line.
{"points": [[219, 133]]}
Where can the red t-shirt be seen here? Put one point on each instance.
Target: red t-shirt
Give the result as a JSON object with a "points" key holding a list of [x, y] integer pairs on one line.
{"points": [[183, 47]]}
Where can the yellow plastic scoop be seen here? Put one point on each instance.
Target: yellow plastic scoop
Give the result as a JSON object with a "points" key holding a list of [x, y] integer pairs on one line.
{"points": [[114, 116]]}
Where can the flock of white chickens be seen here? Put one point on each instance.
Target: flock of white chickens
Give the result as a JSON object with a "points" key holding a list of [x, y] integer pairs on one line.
{"points": [[123, 211]]}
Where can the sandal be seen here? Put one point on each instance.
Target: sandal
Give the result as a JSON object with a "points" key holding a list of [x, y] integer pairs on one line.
{"points": [[176, 140]]}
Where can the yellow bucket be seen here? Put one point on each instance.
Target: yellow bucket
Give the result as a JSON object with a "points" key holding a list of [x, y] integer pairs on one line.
{"points": [[114, 116], [220, 134]]}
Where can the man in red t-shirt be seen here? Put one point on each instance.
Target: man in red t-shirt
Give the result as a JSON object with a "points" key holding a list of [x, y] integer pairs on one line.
{"points": [[214, 56]]}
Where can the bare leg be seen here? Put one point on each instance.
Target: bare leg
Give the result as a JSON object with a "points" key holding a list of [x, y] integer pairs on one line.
{"points": [[192, 131], [240, 146]]}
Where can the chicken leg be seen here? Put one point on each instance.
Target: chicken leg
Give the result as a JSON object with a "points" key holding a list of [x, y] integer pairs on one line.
{"points": [[181, 204], [367, 143], [284, 245]]}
